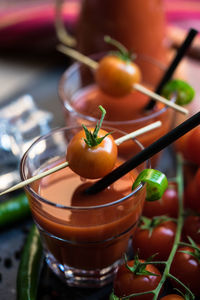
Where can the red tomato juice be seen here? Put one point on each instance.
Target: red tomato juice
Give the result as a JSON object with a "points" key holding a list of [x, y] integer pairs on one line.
{"points": [[91, 237]]}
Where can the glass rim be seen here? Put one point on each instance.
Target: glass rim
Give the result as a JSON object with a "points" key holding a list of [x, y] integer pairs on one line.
{"points": [[69, 107], [39, 198]]}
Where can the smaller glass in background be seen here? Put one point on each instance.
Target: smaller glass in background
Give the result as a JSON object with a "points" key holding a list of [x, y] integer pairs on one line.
{"points": [[21, 122]]}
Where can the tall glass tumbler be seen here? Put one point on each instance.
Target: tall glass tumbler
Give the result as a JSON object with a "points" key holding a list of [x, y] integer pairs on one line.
{"points": [[84, 237]]}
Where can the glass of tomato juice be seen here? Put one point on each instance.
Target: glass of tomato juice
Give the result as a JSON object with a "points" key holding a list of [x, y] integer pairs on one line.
{"points": [[84, 236], [80, 97]]}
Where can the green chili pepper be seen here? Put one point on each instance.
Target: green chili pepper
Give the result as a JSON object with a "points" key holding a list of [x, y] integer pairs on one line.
{"points": [[30, 267], [113, 297], [184, 92], [14, 209], [156, 183]]}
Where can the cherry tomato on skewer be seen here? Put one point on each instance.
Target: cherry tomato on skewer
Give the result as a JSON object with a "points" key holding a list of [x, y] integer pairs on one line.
{"points": [[116, 76], [92, 162], [117, 73], [92, 154]]}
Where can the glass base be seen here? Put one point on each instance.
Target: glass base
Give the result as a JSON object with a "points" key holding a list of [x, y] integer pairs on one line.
{"points": [[82, 278]]}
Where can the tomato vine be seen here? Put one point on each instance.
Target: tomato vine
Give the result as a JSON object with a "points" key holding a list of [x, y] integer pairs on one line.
{"points": [[166, 274]]}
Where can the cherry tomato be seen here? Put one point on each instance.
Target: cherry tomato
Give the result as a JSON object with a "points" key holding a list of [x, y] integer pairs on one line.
{"points": [[172, 297], [167, 205], [159, 241], [191, 193], [92, 162], [197, 179], [189, 145], [127, 283], [192, 149], [180, 144], [191, 228], [187, 269], [116, 76], [190, 198]]}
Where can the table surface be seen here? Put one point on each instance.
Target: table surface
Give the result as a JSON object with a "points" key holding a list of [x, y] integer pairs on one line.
{"points": [[41, 81]]}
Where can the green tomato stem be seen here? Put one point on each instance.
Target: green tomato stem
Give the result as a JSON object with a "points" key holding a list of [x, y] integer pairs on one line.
{"points": [[92, 139], [157, 262], [117, 44], [103, 111], [166, 272], [188, 245], [180, 282], [137, 294]]}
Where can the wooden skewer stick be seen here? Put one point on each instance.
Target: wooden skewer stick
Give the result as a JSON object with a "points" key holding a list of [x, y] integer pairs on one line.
{"points": [[147, 92], [94, 65], [78, 56], [61, 31], [65, 164], [34, 178], [137, 132]]}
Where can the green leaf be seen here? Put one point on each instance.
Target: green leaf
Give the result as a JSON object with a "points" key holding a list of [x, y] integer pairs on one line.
{"points": [[196, 253], [187, 252], [88, 139], [139, 268], [183, 91], [150, 258], [196, 250], [92, 139], [99, 140], [150, 224], [96, 129], [113, 297], [145, 222], [192, 242], [156, 181]]}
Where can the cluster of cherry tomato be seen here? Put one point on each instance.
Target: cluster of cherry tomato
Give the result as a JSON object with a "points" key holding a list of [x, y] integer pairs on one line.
{"points": [[189, 146], [155, 235]]}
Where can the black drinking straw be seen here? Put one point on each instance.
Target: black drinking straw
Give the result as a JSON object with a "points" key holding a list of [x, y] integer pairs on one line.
{"points": [[179, 55], [145, 154]]}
